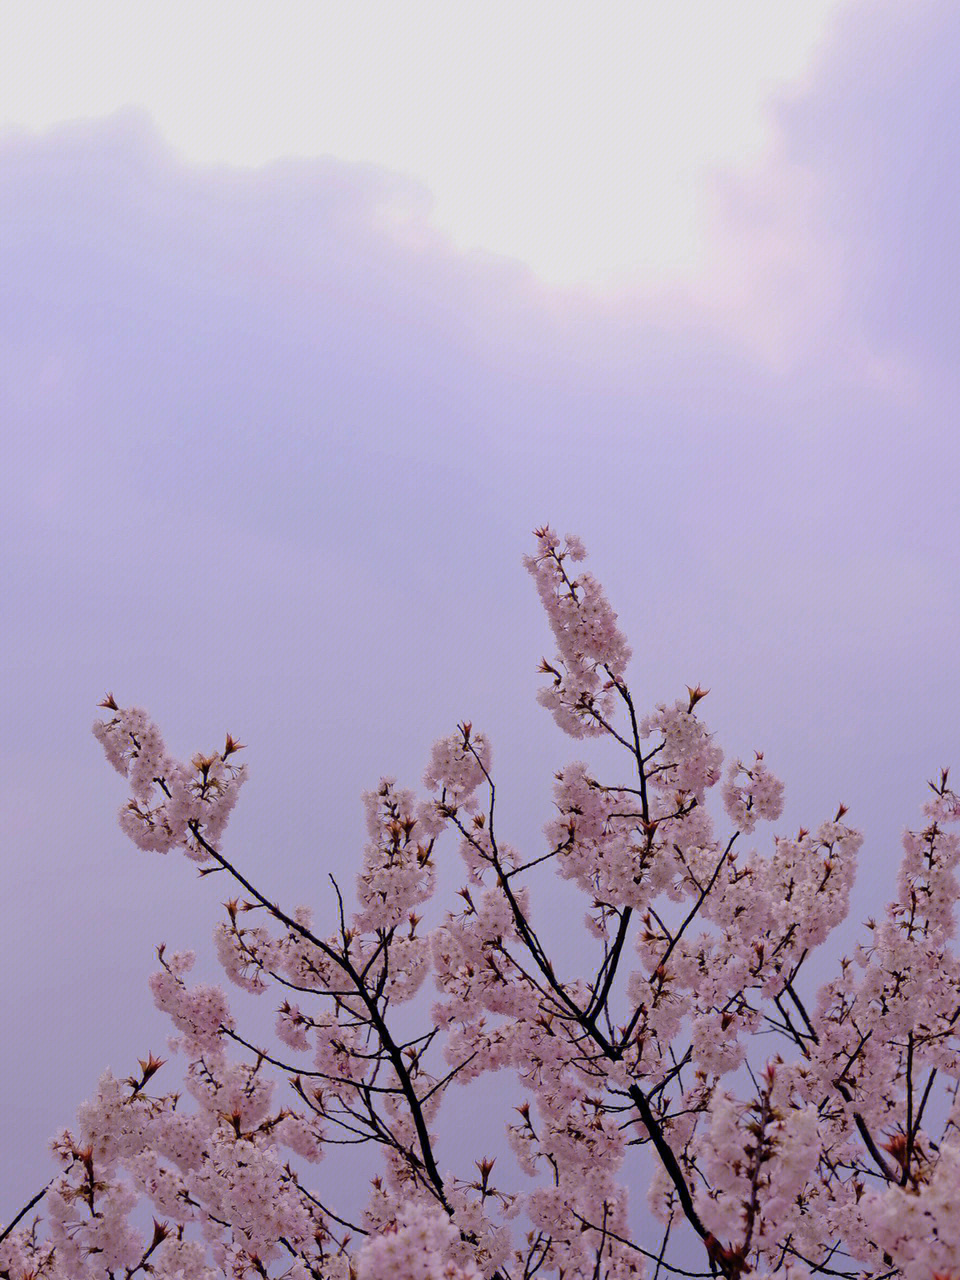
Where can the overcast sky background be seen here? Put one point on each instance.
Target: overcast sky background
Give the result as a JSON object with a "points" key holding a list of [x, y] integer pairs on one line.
{"points": [[289, 371]]}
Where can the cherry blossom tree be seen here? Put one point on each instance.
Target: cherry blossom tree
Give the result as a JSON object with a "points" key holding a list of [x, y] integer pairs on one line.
{"points": [[789, 1133]]}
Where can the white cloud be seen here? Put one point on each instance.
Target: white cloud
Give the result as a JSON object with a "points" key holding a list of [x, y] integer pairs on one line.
{"points": [[578, 137]]}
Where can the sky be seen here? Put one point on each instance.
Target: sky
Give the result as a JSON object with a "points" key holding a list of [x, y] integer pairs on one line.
{"points": [[309, 318]]}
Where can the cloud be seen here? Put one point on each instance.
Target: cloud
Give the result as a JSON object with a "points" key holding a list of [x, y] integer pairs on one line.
{"points": [[842, 247], [569, 136]]}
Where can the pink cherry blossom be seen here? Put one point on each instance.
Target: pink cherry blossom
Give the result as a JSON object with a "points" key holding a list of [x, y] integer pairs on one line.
{"points": [[795, 1121]]}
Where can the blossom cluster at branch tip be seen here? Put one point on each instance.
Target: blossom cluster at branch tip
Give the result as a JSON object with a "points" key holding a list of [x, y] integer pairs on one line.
{"points": [[172, 804], [592, 652]]}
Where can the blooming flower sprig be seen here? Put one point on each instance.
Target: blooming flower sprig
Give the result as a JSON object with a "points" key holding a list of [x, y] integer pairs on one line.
{"points": [[791, 1129], [758, 798], [171, 804], [593, 653]]}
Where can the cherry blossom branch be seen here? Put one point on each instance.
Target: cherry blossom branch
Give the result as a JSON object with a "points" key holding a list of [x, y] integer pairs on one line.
{"points": [[630, 1244], [428, 1161], [34, 1200]]}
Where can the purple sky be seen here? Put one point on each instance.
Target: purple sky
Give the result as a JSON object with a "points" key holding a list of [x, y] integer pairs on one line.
{"points": [[271, 469]]}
